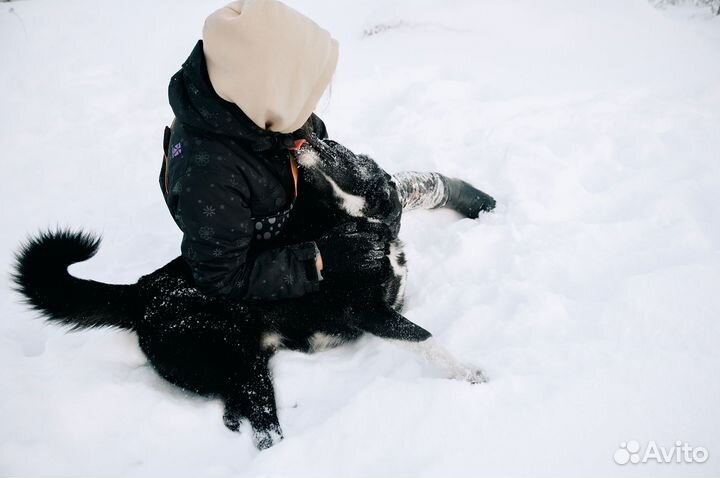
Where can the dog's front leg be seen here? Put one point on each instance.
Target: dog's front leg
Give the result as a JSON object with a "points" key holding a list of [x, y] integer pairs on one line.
{"points": [[434, 352], [253, 397], [389, 324]]}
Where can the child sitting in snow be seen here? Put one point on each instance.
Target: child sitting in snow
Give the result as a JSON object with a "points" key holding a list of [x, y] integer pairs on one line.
{"points": [[241, 100]]}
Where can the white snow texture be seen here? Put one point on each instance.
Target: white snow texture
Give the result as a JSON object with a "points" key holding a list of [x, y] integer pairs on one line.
{"points": [[590, 297]]}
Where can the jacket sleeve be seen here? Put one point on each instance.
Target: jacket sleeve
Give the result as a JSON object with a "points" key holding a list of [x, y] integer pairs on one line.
{"points": [[210, 206]]}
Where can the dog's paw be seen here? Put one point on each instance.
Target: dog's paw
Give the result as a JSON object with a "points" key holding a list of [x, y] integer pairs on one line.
{"points": [[232, 421], [476, 376], [264, 439], [470, 374]]}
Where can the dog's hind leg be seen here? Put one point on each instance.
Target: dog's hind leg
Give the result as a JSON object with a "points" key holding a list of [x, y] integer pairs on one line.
{"points": [[250, 394], [426, 190], [215, 364], [388, 324]]}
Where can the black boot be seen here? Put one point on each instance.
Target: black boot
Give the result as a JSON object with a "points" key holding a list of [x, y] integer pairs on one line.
{"points": [[466, 199]]}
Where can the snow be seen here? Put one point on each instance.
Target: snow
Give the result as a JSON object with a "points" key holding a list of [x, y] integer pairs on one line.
{"points": [[589, 297]]}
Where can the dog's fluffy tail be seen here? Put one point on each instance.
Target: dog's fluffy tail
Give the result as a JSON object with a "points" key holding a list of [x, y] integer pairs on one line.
{"points": [[41, 275]]}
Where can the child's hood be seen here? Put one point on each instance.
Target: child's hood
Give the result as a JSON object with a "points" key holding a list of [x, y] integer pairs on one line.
{"points": [[269, 60]]}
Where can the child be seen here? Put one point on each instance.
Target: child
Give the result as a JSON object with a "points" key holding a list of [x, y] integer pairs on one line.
{"points": [[243, 97]]}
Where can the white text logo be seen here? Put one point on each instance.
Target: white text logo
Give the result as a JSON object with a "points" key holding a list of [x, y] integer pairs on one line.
{"points": [[682, 452]]}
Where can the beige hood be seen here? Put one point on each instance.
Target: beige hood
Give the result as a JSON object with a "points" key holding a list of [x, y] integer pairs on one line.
{"points": [[270, 60]]}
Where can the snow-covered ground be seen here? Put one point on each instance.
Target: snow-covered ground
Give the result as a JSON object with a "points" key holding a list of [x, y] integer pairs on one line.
{"points": [[590, 297]]}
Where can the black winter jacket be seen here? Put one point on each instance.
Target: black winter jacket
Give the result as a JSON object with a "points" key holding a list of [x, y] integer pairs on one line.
{"points": [[229, 187]]}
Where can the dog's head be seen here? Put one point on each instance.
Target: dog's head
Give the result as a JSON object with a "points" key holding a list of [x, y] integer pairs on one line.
{"points": [[353, 184]]}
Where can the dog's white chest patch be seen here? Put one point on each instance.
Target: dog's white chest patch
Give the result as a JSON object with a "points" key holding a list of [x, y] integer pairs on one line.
{"points": [[321, 341]]}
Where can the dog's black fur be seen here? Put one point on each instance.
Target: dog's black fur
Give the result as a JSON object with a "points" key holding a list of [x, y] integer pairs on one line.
{"points": [[219, 348]]}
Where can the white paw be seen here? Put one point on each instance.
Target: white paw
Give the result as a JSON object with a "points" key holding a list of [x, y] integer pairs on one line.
{"points": [[470, 374]]}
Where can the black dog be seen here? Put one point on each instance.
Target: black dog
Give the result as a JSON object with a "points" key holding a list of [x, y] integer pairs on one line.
{"points": [[219, 348]]}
